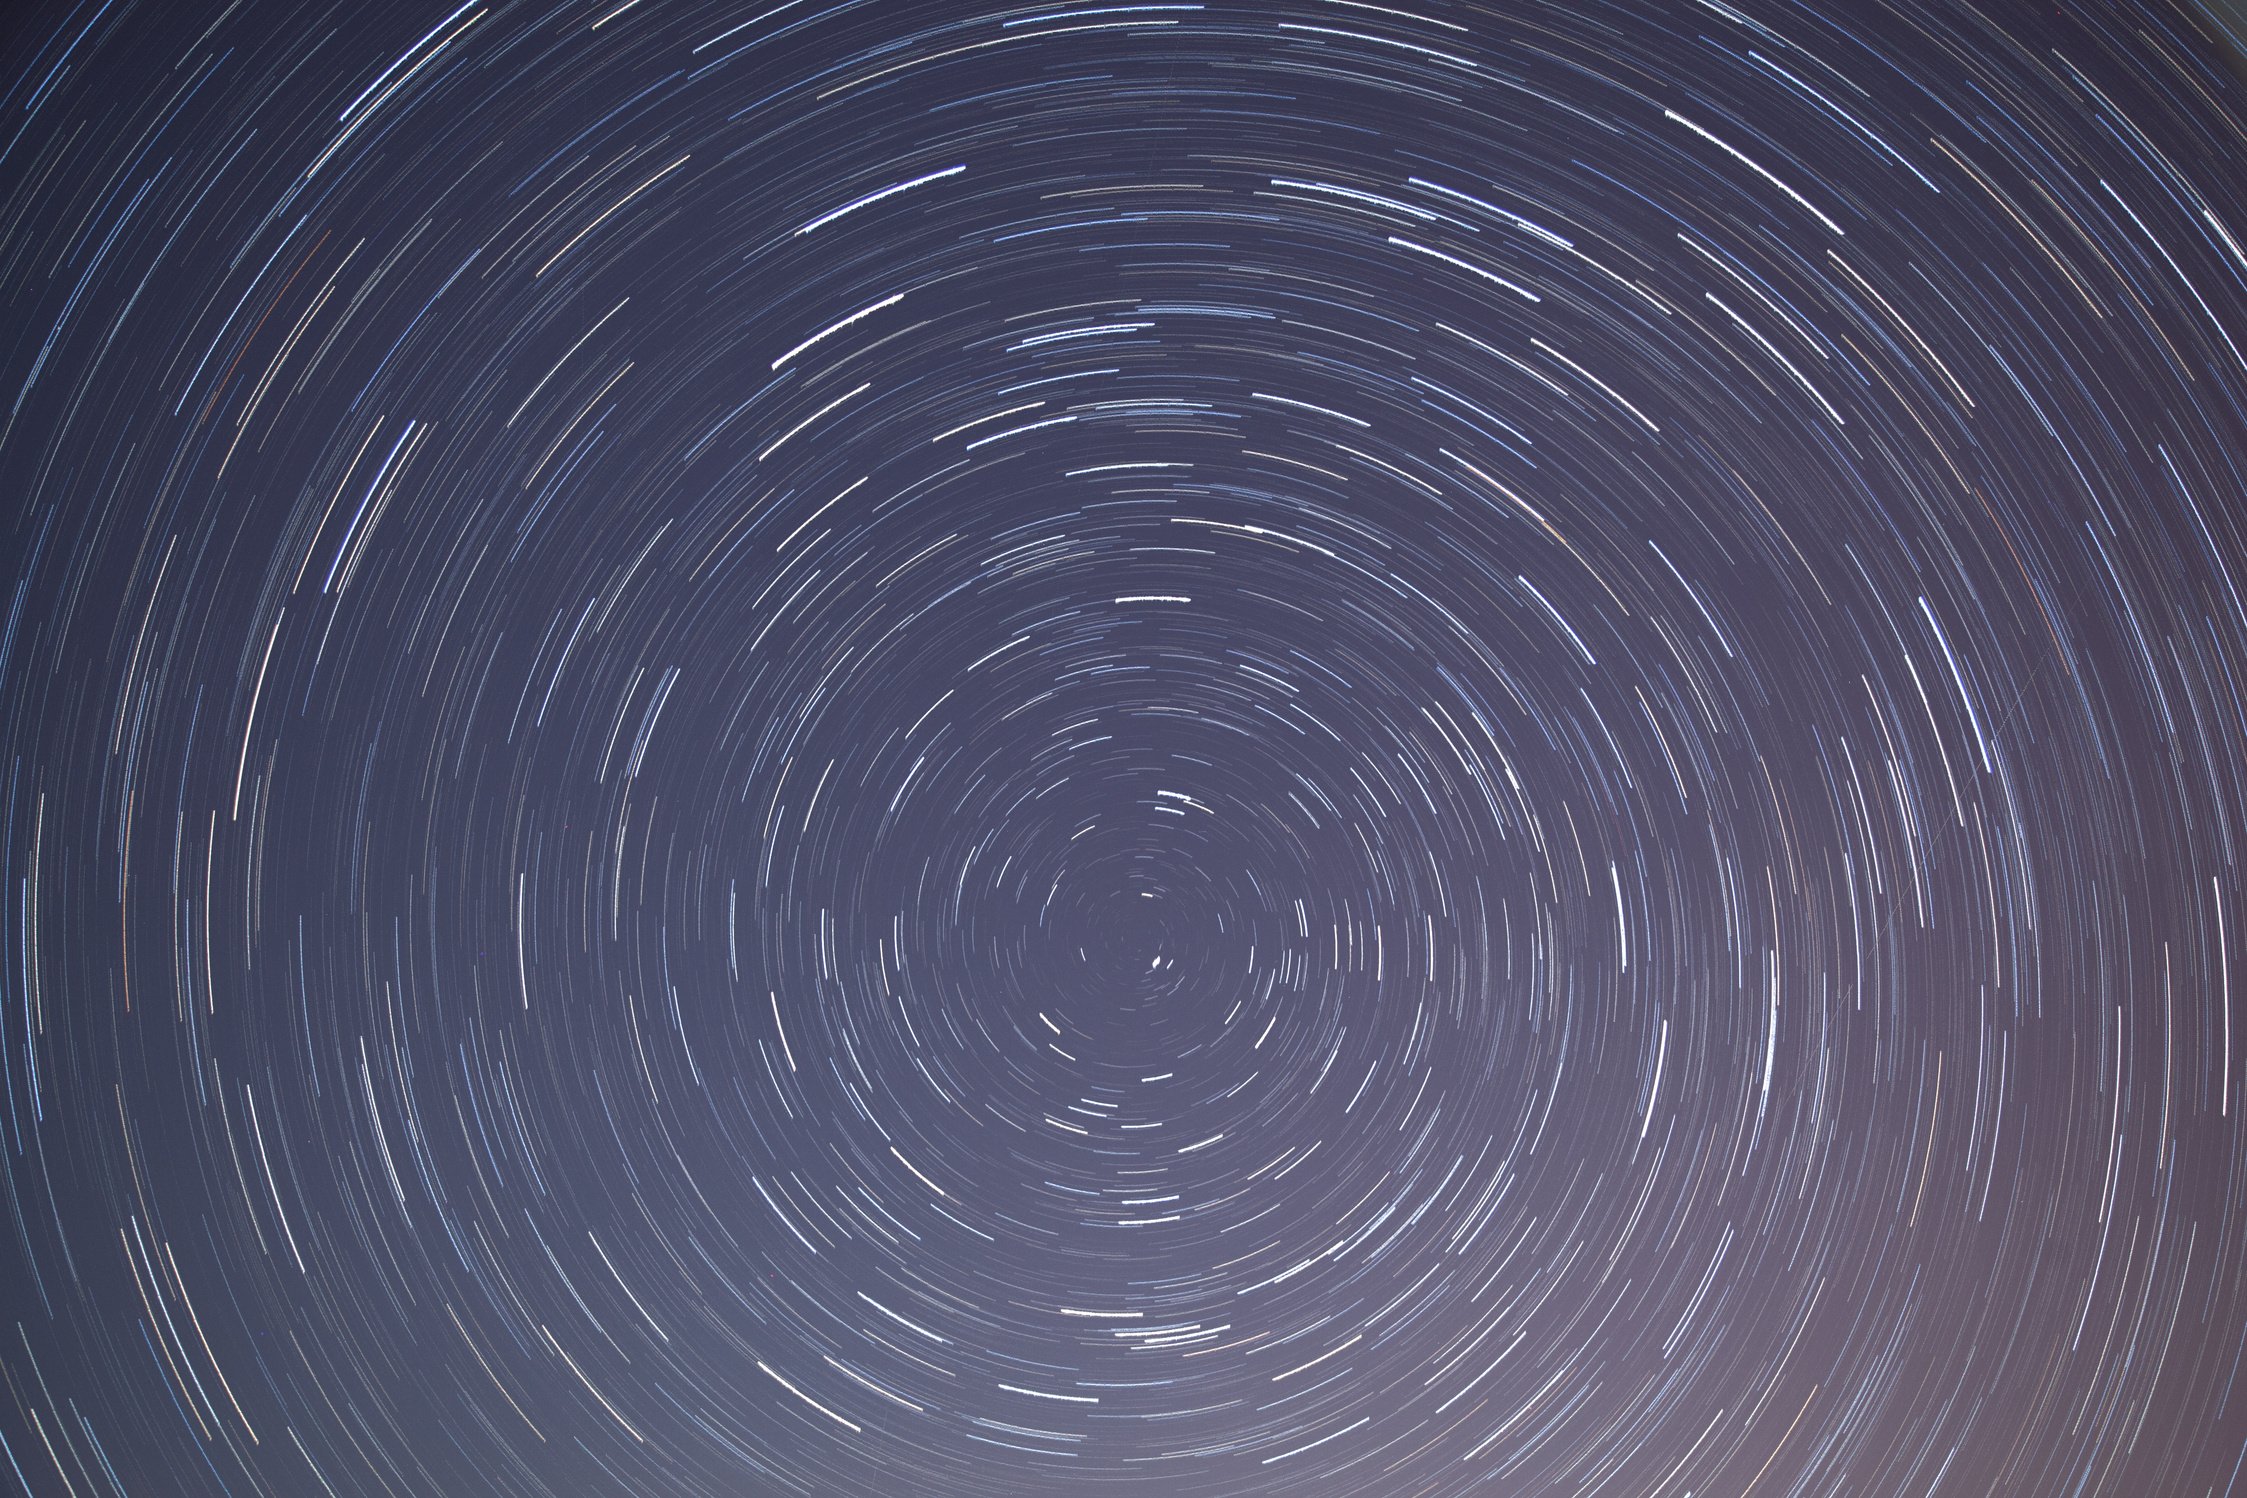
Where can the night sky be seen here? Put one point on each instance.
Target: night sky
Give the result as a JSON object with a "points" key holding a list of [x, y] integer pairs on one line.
{"points": [[922, 747]]}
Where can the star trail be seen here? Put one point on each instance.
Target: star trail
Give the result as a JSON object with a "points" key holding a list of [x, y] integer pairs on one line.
{"points": [[1267, 747]]}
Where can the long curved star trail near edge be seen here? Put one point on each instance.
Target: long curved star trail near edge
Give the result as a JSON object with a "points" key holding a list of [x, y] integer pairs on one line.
{"points": [[1259, 747]]}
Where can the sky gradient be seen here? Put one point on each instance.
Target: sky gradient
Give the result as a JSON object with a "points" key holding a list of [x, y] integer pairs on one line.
{"points": [[1275, 748]]}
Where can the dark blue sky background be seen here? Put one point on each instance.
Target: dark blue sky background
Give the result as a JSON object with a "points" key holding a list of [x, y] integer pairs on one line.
{"points": [[1271, 748]]}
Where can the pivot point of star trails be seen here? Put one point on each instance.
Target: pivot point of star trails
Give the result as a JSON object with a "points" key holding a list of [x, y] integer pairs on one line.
{"points": [[1243, 747]]}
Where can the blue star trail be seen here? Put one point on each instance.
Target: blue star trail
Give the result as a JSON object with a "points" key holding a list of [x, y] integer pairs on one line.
{"points": [[1298, 748]]}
